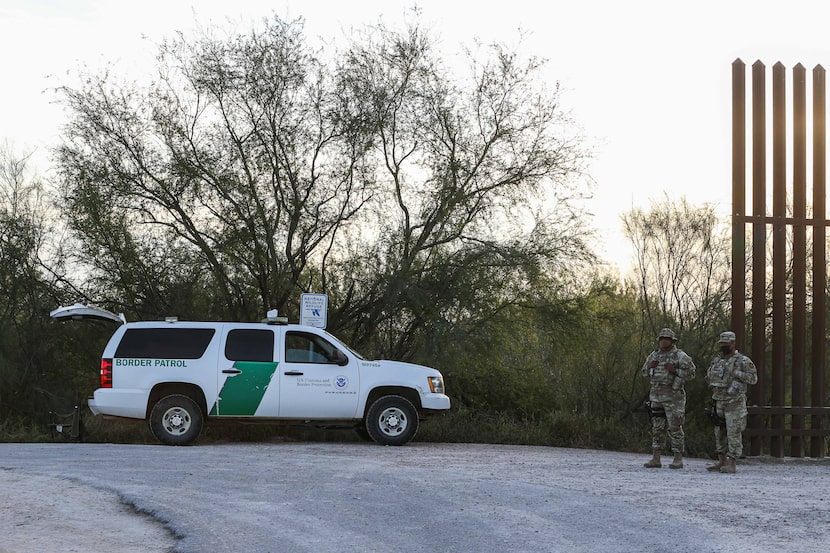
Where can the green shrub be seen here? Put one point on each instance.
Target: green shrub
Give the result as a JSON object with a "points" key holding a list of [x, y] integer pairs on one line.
{"points": [[555, 428], [18, 430]]}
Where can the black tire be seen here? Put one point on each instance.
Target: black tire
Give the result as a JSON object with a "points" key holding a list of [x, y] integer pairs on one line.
{"points": [[176, 420], [392, 420]]}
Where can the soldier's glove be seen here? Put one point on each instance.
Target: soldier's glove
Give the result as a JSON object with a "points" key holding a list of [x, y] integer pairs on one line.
{"points": [[670, 367], [653, 364]]}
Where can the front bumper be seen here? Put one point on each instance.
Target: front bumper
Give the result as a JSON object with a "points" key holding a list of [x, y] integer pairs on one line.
{"points": [[435, 402]]}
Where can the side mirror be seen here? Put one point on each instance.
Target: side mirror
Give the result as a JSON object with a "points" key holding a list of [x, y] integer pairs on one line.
{"points": [[339, 358]]}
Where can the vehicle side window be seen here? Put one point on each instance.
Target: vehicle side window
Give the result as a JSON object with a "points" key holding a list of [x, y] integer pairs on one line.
{"points": [[303, 347], [250, 345], [164, 343]]}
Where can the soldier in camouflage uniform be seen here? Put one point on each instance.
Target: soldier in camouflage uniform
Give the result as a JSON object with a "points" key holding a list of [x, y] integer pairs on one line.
{"points": [[728, 376], [668, 368]]}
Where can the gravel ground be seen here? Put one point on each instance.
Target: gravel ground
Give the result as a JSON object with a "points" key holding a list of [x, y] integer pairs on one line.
{"points": [[313, 497], [47, 513]]}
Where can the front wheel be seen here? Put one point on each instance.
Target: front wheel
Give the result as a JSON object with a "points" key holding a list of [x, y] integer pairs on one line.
{"points": [[392, 420], [176, 420]]}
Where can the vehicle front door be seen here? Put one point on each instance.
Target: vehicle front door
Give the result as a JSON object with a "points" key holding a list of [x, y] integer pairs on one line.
{"points": [[317, 380]]}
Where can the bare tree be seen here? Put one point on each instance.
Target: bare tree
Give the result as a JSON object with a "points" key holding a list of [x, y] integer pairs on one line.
{"points": [[252, 170], [463, 161], [25, 292], [23, 234], [235, 160], [683, 266]]}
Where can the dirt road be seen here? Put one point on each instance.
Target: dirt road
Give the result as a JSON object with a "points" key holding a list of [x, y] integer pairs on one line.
{"points": [[320, 498]]}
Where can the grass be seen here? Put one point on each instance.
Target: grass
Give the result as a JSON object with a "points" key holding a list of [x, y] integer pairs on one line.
{"points": [[461, 425], [22, 430], [550, 429]]}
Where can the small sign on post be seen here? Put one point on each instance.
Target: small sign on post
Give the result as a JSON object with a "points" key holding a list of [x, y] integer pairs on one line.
{"points": [[314, 310]]}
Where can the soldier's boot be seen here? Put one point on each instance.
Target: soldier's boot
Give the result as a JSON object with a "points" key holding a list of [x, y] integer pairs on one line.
{"points": [[717, 466], [729, 467], [655, 460], [678, 461]]}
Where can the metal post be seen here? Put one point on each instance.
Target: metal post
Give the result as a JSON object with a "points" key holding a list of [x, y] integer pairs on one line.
{"points": [[779, 251], [739, 201], [819, 257], [799, 342], [759, 167]]}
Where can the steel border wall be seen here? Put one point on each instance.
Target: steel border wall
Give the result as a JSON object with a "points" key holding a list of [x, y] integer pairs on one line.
{"points": [[768, 422]]}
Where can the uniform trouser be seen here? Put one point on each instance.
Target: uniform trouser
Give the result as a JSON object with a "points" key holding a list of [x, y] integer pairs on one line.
{"points": [[674, 404], [729, 440]]}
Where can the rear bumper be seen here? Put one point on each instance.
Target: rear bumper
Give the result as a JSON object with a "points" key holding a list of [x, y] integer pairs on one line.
{"points": [[90, 402], [119, 403]]}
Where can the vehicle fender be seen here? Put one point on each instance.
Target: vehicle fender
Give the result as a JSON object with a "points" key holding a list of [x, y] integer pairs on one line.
{"points": [[189, 389]]}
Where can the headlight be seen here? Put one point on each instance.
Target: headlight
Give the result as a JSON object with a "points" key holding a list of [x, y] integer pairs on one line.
{"points": [[436, 384]]}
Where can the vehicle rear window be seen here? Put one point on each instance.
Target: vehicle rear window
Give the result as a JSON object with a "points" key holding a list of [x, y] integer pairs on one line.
{"points": [[250, 345], [165, 343]]}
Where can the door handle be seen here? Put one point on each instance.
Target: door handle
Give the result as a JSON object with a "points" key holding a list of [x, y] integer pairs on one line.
{"points": [[231, 371], [293, 373]]}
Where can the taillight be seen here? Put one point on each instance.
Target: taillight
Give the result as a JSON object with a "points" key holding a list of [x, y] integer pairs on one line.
{"points": [[106, 373]]}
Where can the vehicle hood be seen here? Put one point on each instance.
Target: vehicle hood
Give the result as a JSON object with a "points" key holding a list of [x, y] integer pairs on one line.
{"points": [[400, 366]]}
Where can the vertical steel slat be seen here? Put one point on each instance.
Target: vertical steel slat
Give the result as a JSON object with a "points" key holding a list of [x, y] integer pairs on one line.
{"points": [[819, 256], [779, 251], [799, 306], [739, 201], [759, 157]]}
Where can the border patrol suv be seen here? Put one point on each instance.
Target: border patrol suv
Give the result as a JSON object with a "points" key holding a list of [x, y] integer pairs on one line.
{"points": [[176, 374]]}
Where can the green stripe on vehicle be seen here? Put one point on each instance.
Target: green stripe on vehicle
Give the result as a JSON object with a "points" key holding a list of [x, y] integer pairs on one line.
{"points": [[241, 394]]}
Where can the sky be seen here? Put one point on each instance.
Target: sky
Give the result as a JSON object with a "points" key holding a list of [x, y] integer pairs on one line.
{"points": [[647, 81]]}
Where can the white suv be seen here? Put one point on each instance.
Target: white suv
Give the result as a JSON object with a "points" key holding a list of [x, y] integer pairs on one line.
{"points": [[176, 374]]}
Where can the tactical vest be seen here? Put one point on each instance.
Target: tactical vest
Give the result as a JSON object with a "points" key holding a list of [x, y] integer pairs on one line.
{"points": [[659, 374], [722, 370], [721, 378]]}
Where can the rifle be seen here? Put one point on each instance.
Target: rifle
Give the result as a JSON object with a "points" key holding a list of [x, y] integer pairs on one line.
{"points": [[712, 413], [654, 412]]}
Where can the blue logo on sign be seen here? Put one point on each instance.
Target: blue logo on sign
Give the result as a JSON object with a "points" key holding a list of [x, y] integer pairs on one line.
{"points": [[341, 382]]}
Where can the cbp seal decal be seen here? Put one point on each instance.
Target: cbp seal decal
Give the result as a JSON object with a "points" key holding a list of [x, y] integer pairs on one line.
{"points": [[341, 382]]}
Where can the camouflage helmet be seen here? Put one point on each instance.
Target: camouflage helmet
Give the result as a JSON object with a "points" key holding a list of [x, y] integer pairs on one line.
{"points": [[667, 333]]}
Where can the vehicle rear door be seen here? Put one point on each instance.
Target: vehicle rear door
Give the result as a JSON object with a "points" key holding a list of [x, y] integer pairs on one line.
{"points": [[80, 311], [247, 364]]}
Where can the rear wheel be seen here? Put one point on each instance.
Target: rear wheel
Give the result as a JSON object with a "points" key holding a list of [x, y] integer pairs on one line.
{"points": [[176, 420], [392, 420]]}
